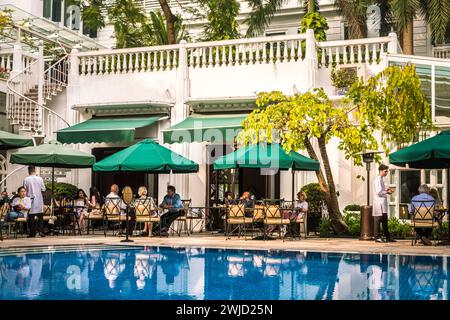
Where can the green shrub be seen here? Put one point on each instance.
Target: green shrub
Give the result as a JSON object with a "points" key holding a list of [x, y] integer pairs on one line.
{"points": [[325, 228], [398, 228], [353, 223], [62, 189], [353, 207], [343, 78], [442, 231], [315, 195]]}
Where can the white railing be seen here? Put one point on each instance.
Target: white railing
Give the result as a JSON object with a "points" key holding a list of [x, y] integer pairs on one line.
{"points": [[6, 61], [441, 52], [370, 50], [55, 78], [26, 95], [157, 58], [276, 49]]}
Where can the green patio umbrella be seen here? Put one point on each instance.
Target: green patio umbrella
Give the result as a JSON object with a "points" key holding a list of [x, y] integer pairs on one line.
{"points": [[266, 156], [13, 141], [432, 153], [53, 154], [147, 156]]}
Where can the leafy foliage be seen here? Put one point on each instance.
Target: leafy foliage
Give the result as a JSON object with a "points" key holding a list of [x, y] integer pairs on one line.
{"points": [[62, 189], [261, 13], [316, 22], [159, 34], [315, 196], [325, 228], [352, 207], [222, 23], [344, 77]]}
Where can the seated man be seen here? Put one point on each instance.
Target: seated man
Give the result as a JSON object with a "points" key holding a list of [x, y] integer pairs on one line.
{"points": [[247, 200], [421, 200], [114, 199], [20, 206], [172, 203]]}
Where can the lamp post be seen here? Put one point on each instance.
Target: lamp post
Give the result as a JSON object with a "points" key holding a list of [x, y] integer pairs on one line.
{"points": [[366, 219]]}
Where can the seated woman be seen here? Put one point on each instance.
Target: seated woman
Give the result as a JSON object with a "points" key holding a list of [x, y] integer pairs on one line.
{"points": [[144, 199], [300, 209], [20, 205], [229, 198], [95, 202], [81, 204]]}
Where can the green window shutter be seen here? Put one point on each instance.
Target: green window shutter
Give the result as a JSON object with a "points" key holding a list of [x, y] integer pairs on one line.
{"points": [[56, 11], [47, 8]]}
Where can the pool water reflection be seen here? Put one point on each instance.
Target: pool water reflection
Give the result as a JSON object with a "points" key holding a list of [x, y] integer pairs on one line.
{"points": [[201, 273]]}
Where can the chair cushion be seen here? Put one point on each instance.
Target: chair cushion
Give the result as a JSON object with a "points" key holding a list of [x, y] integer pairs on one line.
{"points": [[239, 220], [424, 224], [95, 217], [276, 221]]}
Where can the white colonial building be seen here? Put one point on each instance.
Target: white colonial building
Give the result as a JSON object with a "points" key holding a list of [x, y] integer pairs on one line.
{"points": [[102, 100]]}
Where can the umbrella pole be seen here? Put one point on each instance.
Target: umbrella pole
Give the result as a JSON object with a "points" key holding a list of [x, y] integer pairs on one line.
{"points": [[293, 185]]}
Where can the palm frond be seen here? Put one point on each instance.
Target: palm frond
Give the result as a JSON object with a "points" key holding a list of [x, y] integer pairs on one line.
{"points": [[262, 12], [437, 14], [404, 11]]}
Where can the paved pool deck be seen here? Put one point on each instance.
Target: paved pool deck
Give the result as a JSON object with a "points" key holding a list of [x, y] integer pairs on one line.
{"points": [[218, 241]]}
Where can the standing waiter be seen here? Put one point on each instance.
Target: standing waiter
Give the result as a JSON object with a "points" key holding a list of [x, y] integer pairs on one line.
{"points": [[35, 186], [380, 205]]}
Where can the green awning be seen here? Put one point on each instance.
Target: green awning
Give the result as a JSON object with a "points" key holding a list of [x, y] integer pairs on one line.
{"points": [[265, 156], [12, 141], [105, 129], [214, 128]]}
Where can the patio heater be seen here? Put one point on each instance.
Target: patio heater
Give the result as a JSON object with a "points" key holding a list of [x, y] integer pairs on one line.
{"points": [[366, 219]]}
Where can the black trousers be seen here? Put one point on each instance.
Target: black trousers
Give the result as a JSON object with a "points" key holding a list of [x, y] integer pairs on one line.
{"points": [[423, 232], [383, 220], [32, 223], [167, 219]]}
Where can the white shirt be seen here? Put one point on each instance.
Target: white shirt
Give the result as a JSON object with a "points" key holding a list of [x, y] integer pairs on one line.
{"points": [[380, 197], [116, 200], [25, 201], [301, 205], [35, 186]]}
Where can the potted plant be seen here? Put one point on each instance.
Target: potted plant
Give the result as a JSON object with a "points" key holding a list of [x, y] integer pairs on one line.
{"points": [[343, 78]]}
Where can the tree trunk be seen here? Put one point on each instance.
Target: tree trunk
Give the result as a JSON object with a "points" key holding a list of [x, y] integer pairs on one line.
{"points": [[330, 197], [311, 6], [333, 207], [408, 38], [170, 21]]}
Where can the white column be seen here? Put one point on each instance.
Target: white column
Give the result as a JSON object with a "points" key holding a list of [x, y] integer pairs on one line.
{"points": [[72, 98], [311, 59], [17, 60], [179, 112], [41, 80]]}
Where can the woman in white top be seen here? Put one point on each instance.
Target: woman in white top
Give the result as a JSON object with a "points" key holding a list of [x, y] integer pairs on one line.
{"points": [[143, 199], [81, 204]]}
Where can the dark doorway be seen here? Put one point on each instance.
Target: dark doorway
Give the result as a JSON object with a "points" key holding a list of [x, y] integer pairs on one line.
{"points": [[261, 185], [104, 180]]}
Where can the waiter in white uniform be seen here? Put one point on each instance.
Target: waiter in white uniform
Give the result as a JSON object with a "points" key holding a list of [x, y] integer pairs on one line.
{"points": [[35, 186], [380, 205]]}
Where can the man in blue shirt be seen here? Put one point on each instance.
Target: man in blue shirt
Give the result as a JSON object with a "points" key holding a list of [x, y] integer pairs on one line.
{"points": [[172, 203], [423, 199]]}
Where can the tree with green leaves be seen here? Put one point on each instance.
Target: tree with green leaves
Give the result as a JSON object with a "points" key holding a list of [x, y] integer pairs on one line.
{"points": [[436, 13], [159, 33], [391, 103], [222, 23]]}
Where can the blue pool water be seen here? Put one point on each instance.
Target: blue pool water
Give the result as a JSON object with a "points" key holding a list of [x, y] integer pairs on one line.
{"points": [[96, 272]]}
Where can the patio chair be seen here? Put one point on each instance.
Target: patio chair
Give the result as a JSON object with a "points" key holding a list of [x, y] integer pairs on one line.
{"points": [[112, 213], [91, 217], [273, 217], [19, 223], [423, 217], [257, 217], [146, 212], [196, 214], [3, 211], [182, 219], [236, 217]]}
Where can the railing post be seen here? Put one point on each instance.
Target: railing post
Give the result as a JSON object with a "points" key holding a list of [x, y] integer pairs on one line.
{"points": [[17, 60], [393, 43], [311, 59], [41, 80]]}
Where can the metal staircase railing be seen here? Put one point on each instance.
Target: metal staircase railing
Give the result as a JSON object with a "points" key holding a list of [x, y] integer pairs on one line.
{"points": [[27, 93]]}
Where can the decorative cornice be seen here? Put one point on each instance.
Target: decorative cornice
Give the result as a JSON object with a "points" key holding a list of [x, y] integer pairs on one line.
{"points": [[119, 109], [222, 104]]}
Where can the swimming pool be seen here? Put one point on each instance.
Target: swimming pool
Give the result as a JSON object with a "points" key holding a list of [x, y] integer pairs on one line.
{"points": [[118, 272]]}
